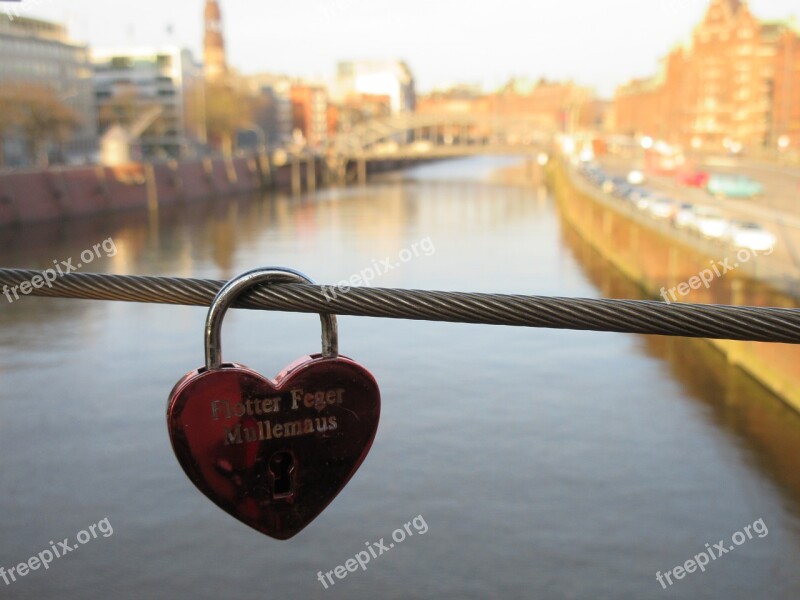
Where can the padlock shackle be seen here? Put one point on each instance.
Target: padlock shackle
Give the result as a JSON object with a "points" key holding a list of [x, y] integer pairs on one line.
{"points": [[236, 286]]}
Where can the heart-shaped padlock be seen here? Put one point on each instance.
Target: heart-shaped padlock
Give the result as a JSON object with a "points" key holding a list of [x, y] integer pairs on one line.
{"points": [[273, 454]]}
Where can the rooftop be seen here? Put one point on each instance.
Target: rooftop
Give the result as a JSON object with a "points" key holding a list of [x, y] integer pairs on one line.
{"points": [[36, 28]]}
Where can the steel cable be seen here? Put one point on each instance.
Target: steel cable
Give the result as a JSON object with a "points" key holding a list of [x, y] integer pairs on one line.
{"points": [[764, 324]]}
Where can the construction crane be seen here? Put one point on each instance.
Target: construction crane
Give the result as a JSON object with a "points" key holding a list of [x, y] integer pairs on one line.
{"points": [[115, 145]]}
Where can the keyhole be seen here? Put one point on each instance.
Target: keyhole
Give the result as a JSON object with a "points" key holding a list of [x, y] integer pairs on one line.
{"points": [[281, 466]]}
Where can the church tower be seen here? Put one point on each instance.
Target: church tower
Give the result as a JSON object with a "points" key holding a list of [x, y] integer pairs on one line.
{"points": [[214, 43]]}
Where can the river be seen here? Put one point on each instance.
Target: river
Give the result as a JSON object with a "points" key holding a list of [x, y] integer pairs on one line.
{"points": [[531, 463]]}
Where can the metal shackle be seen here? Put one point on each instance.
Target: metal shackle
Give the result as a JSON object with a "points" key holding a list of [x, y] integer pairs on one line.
{"points": [[233, 288]]}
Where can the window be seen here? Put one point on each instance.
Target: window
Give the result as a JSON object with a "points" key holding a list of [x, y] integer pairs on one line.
{"points": [[121, 62]]}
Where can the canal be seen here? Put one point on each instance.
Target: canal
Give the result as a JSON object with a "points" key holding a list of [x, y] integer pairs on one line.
{"points": [[531, 463]]}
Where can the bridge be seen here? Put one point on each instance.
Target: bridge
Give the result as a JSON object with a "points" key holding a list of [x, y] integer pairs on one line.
{"points": [[388, 143], [433, 136]]}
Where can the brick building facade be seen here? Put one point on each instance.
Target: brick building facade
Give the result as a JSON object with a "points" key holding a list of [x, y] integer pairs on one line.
{"points": [[310, 113], [736, 83], [565, 105]]}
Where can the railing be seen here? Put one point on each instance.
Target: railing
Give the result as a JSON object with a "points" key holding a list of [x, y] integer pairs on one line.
{"points": [[763, 324]]}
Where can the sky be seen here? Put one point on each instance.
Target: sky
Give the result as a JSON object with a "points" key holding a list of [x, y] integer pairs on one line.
{"points": [[598, 43]]}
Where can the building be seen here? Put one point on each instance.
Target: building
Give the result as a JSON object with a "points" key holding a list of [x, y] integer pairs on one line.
{"points": [[42, 54], [216, 64], [310, 113], [273, 115], [562, 104], [557, 105], [786, 94], [733, 85], [638, 109], [156, 94], [355, 109], [461, 99], [390, 78]]}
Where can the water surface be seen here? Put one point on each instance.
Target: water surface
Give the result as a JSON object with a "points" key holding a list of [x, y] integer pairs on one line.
{"points": [[545, 464]]}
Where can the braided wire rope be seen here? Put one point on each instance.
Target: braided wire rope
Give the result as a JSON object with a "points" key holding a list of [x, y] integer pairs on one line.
{"points": [[765, 324]]}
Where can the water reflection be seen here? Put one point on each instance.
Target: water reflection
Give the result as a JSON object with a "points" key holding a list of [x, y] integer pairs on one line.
{"points": [[546, 463], [734, 401]]}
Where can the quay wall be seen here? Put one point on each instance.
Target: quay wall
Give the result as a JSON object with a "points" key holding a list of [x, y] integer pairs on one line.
{"points": [[651, 254], [72, 192]]}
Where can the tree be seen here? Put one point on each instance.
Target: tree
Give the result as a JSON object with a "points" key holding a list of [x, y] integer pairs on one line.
{"points": [[46, 119], [227, 110], [39, 114]]}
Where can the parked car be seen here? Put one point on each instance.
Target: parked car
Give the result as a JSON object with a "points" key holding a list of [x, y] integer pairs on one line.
{"points": [[597, 175], [635, 177], [592, 172], [628, 193], [661, 207], [685, 217], [733, 186], [641, 197], [611, 184], [620, 187], [710, 223], [698, 179], [750, 235]]}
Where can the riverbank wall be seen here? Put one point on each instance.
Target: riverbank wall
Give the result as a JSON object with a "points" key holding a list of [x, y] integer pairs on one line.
{"points": [[74, 192], [656, 259]]}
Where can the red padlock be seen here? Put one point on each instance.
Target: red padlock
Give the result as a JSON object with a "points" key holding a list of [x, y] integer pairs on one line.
{"points": [[273, 453]]}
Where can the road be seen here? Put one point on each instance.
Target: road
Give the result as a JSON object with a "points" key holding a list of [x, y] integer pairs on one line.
{"points": [[777, 210]]}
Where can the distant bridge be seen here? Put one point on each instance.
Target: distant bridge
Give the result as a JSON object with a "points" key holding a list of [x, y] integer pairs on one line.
{"points": [[382, 143], [435, 135]]}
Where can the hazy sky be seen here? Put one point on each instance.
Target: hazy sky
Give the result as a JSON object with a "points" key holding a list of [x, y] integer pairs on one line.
{"points": [[600, 43]]}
